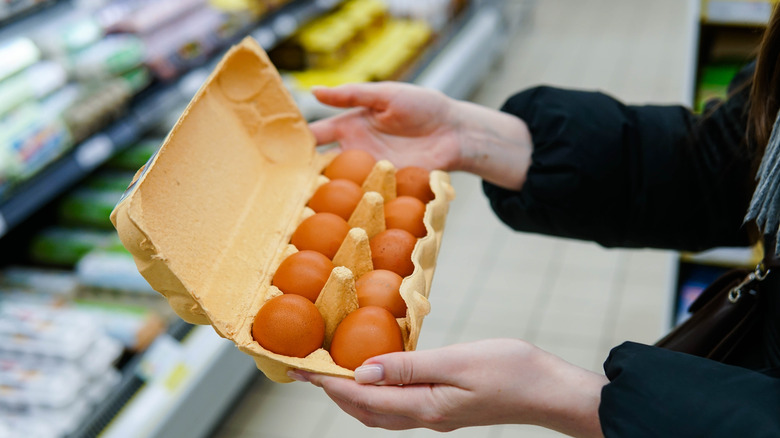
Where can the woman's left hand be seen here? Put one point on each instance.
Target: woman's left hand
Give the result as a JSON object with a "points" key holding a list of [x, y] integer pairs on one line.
{"points": [[497, 381]]}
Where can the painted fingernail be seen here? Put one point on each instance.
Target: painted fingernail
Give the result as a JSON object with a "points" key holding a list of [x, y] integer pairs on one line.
{"points": [[369, 373], [296, 376]]}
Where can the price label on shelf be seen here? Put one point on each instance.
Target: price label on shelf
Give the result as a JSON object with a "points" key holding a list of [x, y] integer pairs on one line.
{"points": [[94, 151]]}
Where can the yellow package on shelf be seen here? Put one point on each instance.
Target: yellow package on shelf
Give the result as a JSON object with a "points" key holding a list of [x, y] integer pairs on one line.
{"points": [[327, 41], [381, 57]]}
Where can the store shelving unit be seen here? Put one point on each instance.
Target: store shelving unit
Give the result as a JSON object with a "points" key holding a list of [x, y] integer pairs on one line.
{"points": [[731, 30], [144, 114], [183, 383]]}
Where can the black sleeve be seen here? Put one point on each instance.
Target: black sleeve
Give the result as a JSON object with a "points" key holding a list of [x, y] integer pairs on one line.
{"points": [[659, 393], [630, 176]]}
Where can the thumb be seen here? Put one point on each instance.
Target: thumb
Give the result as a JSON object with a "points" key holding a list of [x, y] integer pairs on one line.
{"points": [[406, 368]]}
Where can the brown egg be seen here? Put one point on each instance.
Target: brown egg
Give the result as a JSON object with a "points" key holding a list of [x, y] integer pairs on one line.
{"points": [[381, 288], [406, 213], [338, 196], [365, 333], [303, 273], [414, 181], [321, 232], [392, 250], [289, 325], [354, 165]]}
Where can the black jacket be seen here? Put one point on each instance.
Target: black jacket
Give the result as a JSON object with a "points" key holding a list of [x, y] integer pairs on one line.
{"points": [[663, 177]]}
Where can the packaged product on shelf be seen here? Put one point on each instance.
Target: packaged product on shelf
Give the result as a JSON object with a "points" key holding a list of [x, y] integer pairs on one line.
{"points": [[110, 12], [65, 246], [109, 179], [325, 42], [109, 57], [58, 392], [714, 82], [34, 332], [102, 102], [190, 41], [15, 424], [254, 7], [46, 385], [87, 207], [151, 16], [126, 319], [135, 156], [113, 270], [17, 54], [134, 326], [33, 137], [48, 283], [34, 82], [384, 55], [68, 34]]}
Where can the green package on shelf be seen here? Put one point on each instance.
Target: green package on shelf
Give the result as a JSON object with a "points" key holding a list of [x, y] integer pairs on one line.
{"points": [[66, 246], [134, 157], [110, 180], [89, 207]]}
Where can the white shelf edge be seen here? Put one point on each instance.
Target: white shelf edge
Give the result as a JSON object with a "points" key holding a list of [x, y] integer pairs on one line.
{"points": [[161, 409]]}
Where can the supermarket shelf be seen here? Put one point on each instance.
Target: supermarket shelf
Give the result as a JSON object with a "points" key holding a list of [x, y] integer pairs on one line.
{"points": [[61, 175], [149, 108], [177, 388], [448, 67]]}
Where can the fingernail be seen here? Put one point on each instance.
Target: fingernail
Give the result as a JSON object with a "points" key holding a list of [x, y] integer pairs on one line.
{"points": [[296, 376], [317, 87], [369, 373]]}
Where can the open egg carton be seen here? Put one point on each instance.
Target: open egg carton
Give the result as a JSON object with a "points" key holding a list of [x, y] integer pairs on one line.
{"points": [[209, 218]]}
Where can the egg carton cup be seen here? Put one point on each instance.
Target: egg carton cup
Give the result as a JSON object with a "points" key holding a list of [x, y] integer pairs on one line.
{"points": [[209, 218]]}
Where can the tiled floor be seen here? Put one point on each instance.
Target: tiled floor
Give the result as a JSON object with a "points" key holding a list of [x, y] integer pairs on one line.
{"points": [[572, 298]]}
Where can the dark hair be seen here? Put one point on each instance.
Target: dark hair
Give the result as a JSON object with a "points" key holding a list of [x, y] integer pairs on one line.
{"points": [[765, 91]]}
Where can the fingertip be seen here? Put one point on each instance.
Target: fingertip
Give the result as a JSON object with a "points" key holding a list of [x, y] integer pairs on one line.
{"points": [[297, 375], [369, 373]]}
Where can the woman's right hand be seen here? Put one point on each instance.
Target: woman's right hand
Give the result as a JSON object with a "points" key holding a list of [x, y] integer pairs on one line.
{"points": [[410, 125], [404, 124]]}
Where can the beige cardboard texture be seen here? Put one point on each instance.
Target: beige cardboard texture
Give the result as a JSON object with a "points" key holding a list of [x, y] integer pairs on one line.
{"points": [[209, 218]]}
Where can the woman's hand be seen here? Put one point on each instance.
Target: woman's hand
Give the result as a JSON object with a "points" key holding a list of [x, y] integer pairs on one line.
{"points": [[399, 122], [498, 381], [410, 125]]}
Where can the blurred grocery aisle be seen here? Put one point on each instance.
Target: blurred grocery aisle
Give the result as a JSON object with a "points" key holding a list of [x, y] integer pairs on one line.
{"points": [[572, 298]]}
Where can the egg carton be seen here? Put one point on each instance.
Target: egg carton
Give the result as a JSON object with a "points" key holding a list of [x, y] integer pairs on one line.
{"points": [[209, 218]]}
